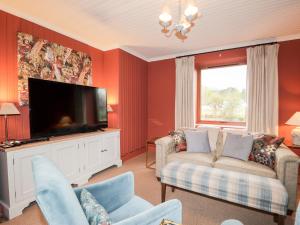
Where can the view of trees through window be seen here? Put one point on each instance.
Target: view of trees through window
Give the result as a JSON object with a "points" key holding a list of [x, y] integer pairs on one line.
{"points": [[223, 94]]}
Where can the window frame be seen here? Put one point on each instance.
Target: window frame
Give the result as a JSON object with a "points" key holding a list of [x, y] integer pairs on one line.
{"points": [[198, 105]]}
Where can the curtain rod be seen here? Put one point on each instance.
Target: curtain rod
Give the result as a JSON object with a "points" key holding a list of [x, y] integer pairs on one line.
{"points": [[247, 46]]}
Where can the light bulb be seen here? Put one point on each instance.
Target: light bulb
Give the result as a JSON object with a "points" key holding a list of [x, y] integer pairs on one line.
{"points": [[190, 12], [165, 17]]}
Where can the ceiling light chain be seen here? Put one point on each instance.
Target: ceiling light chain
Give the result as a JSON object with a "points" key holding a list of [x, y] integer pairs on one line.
{"points": [[185, 23]]}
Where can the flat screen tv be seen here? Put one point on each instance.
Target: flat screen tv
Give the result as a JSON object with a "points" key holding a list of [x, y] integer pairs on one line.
{"points": [[58, 108]]}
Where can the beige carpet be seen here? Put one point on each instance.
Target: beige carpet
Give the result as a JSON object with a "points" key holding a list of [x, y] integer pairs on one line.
{"points": [[197, 210]]}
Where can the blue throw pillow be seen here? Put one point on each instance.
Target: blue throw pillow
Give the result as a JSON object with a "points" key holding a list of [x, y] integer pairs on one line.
{"points": [[95, 213], [197, 141], [238, 146]]}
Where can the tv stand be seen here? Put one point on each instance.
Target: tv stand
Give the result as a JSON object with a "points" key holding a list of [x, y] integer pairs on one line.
{"points": [[78, 156]]}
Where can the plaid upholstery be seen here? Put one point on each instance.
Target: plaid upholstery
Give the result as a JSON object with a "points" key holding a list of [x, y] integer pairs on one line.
{"points": [[249, 190]]}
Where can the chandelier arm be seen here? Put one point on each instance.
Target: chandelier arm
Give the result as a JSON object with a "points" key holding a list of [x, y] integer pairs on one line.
{"points": [[169, 34]]}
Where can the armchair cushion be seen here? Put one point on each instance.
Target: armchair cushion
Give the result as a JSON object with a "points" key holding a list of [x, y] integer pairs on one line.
{"points": [[95, 213], [135, 206], [112, 193], [171, 210]]}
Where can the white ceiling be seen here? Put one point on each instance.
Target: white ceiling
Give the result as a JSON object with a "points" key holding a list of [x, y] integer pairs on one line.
{"points": [[133, 24]]}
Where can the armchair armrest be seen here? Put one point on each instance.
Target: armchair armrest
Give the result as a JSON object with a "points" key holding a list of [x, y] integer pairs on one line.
{"points": [[112, 193], [164, 146], [171, 210], [287, 165]]}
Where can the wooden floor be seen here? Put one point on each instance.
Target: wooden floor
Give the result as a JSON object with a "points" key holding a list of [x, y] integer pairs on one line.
{"points": [[197, 210]]}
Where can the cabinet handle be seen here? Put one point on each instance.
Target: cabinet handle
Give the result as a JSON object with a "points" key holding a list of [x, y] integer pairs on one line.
{"points": [[104, 150]]}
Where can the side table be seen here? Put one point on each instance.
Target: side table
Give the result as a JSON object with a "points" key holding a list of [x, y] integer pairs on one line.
{"points": [[296, 150], [150, 142]]}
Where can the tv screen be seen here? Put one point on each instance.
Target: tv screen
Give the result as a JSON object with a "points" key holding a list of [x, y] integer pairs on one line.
{"points": [[58, 108]]}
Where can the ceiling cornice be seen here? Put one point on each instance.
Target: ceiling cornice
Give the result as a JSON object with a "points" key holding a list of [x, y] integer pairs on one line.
{"points": [[46, 24], [226, 47], [135, 53]]}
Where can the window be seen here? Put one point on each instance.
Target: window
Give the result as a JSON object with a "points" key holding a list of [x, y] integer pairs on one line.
{"points": [[223, 95]]}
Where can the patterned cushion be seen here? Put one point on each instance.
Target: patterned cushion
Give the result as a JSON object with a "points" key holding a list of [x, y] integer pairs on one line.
{"points": [[95, 213], [264, 148], [179, 139]]}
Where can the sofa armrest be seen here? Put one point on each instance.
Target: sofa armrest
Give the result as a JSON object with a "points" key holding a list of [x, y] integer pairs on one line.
{"points": [[112, 193], [287, 165], [171, 210], [164, 146]]}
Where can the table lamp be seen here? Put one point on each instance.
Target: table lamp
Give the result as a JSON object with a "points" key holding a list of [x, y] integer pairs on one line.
{"points": [[8, 109], [295, 120], [109, 108]]}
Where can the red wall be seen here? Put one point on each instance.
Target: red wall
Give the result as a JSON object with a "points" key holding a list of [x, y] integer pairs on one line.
{"points": [[133, 104], [161, 89], [110, 79], [161, 97], [9, 26], [289, 84], [125, 77]]}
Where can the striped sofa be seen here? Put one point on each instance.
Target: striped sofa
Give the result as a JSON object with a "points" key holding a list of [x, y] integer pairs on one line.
{"points": [[260, 193], [286, 171]]}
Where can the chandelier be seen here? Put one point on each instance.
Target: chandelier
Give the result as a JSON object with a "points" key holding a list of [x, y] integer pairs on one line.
{"points": [[185, 23]]}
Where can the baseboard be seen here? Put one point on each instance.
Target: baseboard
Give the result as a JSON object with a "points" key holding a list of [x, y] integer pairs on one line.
{"points": [[133, 154]]}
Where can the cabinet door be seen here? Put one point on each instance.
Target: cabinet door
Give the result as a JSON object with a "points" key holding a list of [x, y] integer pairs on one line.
{"points": [[109, 149], [66, 157], [92, 147], [24, 184]]}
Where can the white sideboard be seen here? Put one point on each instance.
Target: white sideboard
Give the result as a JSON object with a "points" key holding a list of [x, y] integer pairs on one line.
{"points": [[78, 156]]}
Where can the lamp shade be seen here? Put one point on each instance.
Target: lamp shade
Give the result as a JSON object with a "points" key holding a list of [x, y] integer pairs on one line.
{"points": [[8, 109], [294, 120], [109, 108]]}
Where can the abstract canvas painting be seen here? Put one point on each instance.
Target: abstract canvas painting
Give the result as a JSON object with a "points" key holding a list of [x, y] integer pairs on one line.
{"points": [[39, 58]]}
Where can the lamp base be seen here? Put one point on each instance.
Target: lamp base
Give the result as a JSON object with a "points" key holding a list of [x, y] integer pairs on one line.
{"points": [[296, 136]]}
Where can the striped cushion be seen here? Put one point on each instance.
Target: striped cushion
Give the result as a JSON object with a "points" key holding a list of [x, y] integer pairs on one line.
{"points": [[249, 190]]}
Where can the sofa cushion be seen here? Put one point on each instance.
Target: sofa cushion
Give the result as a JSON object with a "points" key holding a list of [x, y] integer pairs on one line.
{"points": [[135, 206], [179, 139], [197, 141], [238, 146], [264, 148], [223, 136], [204, 159], [213, 135], [225, 131], [244, 167]]}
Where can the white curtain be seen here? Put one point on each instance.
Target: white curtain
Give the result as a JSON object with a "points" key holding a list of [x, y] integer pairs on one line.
{"points": [[185, 92], [262, 89]]}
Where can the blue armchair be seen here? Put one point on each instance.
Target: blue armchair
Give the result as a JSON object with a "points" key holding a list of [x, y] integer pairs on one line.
{"points": [[59, 202]]}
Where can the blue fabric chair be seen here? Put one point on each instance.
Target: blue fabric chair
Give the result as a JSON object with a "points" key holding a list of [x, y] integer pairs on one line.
{"points": [[59, 202], [232, 222], [297, 219]]}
